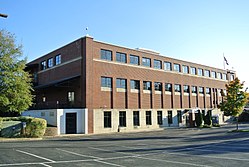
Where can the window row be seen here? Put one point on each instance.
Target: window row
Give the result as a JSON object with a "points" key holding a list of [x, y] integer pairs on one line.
{"points": [[147, 85], [136, 118], [53, 61], [158, 64]]}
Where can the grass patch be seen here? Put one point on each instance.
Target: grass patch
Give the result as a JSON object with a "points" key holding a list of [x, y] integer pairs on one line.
{"points": [[242, 130]]}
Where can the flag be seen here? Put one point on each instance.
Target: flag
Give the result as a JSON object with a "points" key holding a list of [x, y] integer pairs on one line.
{"points": [[225, 60]]}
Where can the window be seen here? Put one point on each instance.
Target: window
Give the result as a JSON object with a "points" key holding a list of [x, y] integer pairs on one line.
{"points": [[186, 88], [194, 89], [225, 92], [219, 75], [51, 114], [43, 65], [170, 120], [201, 90], [71, 97], [208, 91], [167, 66], [168, 87], [185, 69], [121, 57], [157, 64], [207, 73], [177, 88], [122, 118], [44, 99], [213, 74], [177, 67], [35, 77], [148, 117], [50, 62], [134, 60], [200, 72], [106, 82], [107, 119], [158, 86], [193, 70], [146, 62], [57, 59], [135, 84], [42, 114], [147, 85], [232, 77], [136, 118], [219, 92], [106, 54], [224, 76], [159, 117], [179, 116], [121, 83]]}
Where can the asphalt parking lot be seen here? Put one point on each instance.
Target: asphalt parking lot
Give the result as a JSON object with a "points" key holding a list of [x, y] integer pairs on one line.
{"points": [[171, 147]]}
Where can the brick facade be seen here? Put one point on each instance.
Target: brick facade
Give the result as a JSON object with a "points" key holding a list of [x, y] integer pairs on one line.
{"points": [[81, 68]]}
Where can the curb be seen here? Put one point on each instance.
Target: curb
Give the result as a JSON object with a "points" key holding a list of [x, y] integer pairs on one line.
{"points": [[19, 139]]}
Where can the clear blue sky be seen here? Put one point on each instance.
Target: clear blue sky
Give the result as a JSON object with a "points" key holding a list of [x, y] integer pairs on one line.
{"points": [[194, 30]]}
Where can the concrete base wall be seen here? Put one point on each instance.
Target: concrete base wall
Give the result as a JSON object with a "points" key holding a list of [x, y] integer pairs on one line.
{"points": [[99, 120], [57, 117]]}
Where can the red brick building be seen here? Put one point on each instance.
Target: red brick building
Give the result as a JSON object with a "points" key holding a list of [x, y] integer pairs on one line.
{"points": [[124, 89]]}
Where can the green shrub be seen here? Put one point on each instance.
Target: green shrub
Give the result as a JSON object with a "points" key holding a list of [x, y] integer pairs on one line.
{"points": [[35, 127], [198, 119], [208, 118], [216, 125], [1, 123], [206, 126]]}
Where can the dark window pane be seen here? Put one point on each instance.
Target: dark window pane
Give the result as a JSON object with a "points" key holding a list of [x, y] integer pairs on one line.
{"points": [[159, 117], [122, 118], [107, 119]]}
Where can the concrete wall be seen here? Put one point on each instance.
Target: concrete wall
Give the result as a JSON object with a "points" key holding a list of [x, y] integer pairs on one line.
{"points": [[50, 115], [57, 117], [99, 120]]}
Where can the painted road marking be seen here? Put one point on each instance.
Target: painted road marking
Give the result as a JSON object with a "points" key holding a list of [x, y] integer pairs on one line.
{"points": [[208, 156], [142, 157], [108, 163], [174, 162], [37, 156], [45, 165], [70, 152]]}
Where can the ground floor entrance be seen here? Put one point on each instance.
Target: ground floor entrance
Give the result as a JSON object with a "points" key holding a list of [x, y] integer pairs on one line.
{"points": [[71, 123]]}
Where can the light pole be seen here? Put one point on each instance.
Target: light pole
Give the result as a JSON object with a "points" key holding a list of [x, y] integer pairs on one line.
{"points": [[3, 15]]}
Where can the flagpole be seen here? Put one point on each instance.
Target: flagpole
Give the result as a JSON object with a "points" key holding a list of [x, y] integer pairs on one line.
{"points": [[224, 63]]}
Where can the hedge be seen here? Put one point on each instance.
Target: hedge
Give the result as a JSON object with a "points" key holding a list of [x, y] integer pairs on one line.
{"points": [[35, 127]]}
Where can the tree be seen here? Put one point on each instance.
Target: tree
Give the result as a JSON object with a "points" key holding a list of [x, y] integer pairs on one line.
{"points": [[15, 83], [234, 100]]}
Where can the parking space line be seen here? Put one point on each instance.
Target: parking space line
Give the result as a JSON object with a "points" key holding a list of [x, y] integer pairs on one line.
{"points": [[101, 149], [82, 155], [37, 156], [108, 163], [142, 156], [25, 164], [174, 162], [97, 159], [207, 156], [45, 165]]}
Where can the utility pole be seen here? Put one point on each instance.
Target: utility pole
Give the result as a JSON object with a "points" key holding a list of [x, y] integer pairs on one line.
{"points": [[3, 15]]}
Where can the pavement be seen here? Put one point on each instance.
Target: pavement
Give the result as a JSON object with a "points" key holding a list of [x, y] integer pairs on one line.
{"points": [[171, 147]]}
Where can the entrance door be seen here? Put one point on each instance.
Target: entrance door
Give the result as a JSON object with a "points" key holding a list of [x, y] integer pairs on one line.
{"points": [[71, 123]]}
